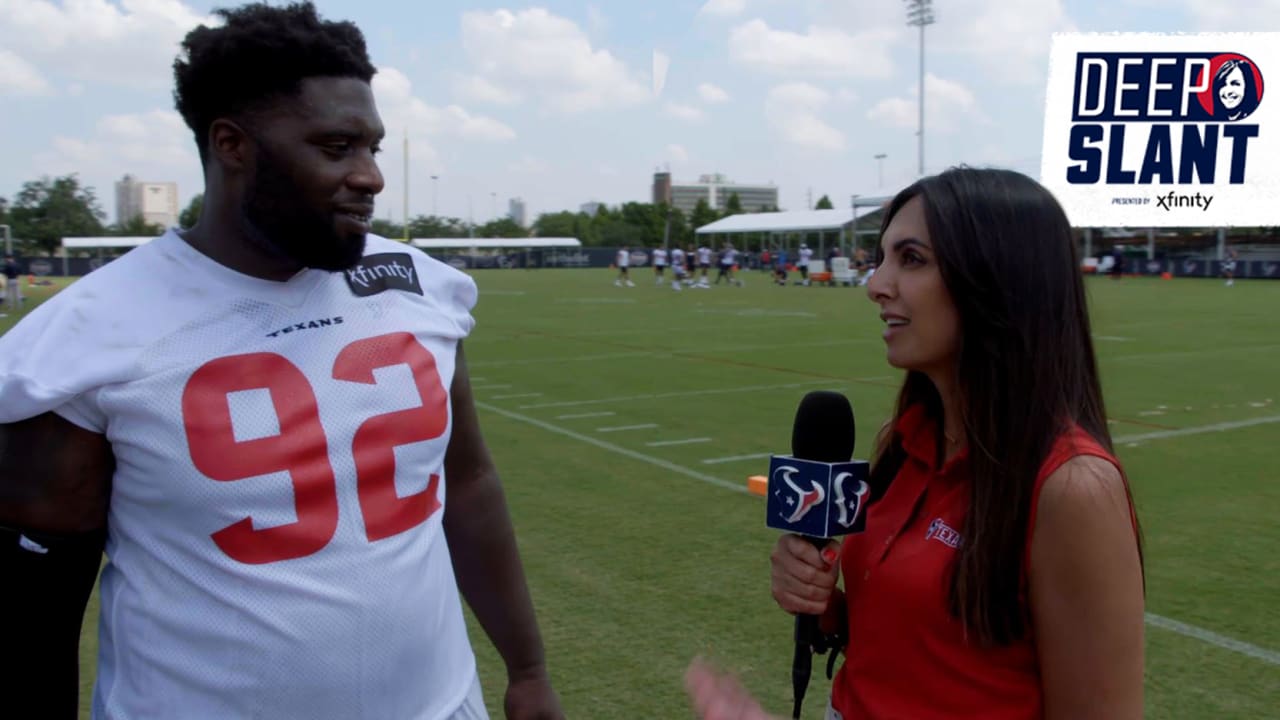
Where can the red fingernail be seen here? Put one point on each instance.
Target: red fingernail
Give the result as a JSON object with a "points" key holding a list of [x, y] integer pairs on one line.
{"points": [[829, 554]]}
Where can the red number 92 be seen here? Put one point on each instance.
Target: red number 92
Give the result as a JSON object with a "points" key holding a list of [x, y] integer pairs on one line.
{"points": [[302, 450]]}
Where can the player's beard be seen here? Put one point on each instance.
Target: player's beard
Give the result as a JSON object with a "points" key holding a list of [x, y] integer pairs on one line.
{"points": [[281, 223]]}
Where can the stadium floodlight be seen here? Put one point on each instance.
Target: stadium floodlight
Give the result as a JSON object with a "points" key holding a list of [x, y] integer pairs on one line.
{"points": [[919, 14], [880, 168]]}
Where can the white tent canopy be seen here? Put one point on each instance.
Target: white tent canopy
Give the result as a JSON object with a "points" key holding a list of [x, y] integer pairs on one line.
{"points": [[785, 222], [495, 243], [105, 242]]}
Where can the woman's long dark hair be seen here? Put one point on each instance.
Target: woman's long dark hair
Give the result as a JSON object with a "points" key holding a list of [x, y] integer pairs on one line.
{"points": [[1025, 368]]}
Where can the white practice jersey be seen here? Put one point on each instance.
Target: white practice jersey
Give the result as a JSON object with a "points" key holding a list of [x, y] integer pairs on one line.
{"points": [[806, 254], [659, 258], [728, 257], [677, 259], [274, 535], [624, 258], [704, 255]]}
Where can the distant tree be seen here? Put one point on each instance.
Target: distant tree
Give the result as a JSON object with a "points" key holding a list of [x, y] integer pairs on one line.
{"points": [[49, 209], [824, 203], [733, 206], [702, 215], [435, 226], [559, 224], [386, 229], [136, 226], [191, 215], [501, 228]]}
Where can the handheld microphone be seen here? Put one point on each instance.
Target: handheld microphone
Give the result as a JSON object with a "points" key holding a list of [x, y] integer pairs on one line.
{"points": [[817, 492]]}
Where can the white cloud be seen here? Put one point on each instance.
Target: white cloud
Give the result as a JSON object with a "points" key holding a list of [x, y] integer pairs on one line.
{"points": [[712, 93], [132, 43], [723, 8], [399, 109], [596, 19], [946, 102], [528, 165], [677, 153], [551, 58], [1010, 39], [661, 64], [820, 52], [481, 90], [793, 111], [683, 112], [154, 146], [19, 77], [1238, 16]]}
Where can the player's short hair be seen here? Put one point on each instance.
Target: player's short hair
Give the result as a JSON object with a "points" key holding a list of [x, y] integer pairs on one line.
{"points": [[259, 55]]}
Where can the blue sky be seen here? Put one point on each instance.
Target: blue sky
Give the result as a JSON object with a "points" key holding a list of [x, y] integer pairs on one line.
{"points": [[556, 102]]}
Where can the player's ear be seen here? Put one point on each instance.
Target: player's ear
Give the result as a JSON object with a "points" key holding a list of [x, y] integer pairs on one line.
{"points": [[230, 144]]}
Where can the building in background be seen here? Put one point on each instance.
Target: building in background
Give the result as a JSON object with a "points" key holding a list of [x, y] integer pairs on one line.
{"points": [[590, 208], [715, 189], [516, 211], [155, 202]]}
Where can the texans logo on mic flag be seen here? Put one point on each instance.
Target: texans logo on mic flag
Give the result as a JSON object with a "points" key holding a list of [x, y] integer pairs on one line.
{"points": [[1151, 130], [815, 498]]}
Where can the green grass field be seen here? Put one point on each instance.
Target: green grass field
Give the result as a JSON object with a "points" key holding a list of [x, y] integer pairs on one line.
{"points": [[640, 558]]}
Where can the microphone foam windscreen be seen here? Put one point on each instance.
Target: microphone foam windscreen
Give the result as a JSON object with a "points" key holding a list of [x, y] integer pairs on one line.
{"points": [[824, 429]]}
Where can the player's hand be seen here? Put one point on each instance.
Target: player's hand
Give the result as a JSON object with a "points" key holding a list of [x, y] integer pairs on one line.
{"points": [[719, 696], [530, 697], [802, 578]]}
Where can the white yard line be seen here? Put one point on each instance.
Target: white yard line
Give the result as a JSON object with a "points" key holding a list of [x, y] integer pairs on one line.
{"points": [[735, 458], [709, 479], [688, 393], [577, 416], [1216, 427], [668, 443], [513, 397], [1212, 638], [489, 387], [558, 360], [665, 354], [624, 428], [1190, 353]]}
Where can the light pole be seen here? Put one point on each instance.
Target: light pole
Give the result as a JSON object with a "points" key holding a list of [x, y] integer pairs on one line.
{"points": [[435, 196], [880, 168], [919, 14], [494, 204]]}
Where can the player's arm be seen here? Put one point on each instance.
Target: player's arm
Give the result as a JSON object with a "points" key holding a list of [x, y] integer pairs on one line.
{"points": [[55, 481], [486, 561], [1087, 594]]}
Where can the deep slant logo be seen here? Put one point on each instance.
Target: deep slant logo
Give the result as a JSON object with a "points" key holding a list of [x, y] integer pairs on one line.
{"points": [[1163, 130], [1180, 108]]}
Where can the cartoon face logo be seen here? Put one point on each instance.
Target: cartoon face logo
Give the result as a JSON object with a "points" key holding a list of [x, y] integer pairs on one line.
{"points": [[1270, 269], [800, 500], [1189, 267], [1236, 89], [850, 507]]}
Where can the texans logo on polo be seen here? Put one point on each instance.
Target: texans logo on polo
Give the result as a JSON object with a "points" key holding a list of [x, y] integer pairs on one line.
{"points": [[381, 272]]}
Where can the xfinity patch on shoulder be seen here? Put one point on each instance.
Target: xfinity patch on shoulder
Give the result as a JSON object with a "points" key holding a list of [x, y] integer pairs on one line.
{"points": [[383, 271]]}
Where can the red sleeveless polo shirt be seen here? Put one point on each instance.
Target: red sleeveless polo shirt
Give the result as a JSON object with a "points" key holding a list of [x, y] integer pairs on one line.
{"points": [[907, 657]]}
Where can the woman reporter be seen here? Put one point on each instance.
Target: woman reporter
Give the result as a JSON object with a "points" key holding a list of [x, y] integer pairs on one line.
{"points": [[1000, 574]]}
